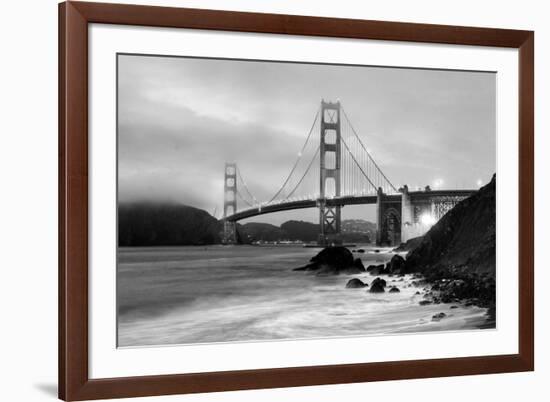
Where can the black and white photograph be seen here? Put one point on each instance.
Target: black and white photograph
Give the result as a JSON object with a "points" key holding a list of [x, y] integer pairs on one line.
{"points": [[266, 201], [274, 200]]}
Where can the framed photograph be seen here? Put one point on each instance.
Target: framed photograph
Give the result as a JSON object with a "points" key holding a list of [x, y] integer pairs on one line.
{"points": [[260, 200]]}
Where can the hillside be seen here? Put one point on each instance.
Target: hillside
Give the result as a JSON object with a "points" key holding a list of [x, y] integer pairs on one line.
{"points": [[300, 230], [353, 230], [257, 231], [463, 240], [147, 224], [458, 254]]}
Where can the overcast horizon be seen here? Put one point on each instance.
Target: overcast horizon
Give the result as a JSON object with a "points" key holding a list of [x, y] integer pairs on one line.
{"points": [[180, 119]]}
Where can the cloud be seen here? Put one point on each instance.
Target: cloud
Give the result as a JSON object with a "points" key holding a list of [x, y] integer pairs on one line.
{"points": [[180, 119]]}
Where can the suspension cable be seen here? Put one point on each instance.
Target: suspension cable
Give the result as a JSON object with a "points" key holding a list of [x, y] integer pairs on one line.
{"points": [[357, 163], [299, 156], [254, 199], [368, 153], [306, 172], [244, 200]]}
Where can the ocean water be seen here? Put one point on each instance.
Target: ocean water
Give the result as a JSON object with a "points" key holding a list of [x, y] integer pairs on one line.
{"points": [[186, 295]]}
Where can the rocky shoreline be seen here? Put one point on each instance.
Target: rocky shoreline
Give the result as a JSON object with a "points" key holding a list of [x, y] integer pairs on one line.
{"points": [[442, 287], [454, 263]]}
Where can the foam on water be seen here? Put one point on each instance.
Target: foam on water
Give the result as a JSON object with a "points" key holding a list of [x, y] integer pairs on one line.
{"points": [[224, 294]]}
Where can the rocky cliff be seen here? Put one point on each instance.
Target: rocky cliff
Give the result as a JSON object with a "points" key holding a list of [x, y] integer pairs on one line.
{"points": [[458, 254], [463, 240]]}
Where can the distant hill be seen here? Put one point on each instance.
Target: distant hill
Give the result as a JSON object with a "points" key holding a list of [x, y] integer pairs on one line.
{"points": [[353, 230], [148, 224], [358, 226], [358, 231], [300, 230], [257, 231], [157, 224]]}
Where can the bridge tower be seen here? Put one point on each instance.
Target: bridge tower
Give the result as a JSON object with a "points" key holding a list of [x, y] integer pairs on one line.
{"points": [[330, 158], [229, 203]]}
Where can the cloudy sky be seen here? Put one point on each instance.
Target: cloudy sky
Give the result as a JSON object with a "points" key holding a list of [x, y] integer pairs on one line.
{"points": [[180, 119]]}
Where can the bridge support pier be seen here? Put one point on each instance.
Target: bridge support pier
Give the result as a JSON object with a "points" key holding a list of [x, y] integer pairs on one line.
{"points": [[330, 218], [229, 235], [330, 160], [388, 219], [229, 232], [407, 216], [379, 194]]}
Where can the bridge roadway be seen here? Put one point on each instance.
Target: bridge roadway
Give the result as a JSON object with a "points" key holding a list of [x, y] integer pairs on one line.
{"points": [[344, 200]]}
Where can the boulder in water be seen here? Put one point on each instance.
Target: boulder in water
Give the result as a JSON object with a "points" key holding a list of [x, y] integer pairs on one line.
{"points": [[396, 265], [394, 289], [438, 316], [377, 286], [355, 283], [376, 269], [334, 261]]}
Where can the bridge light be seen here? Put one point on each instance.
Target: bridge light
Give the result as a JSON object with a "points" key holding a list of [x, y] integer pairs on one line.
{"points": [[427, 219]]}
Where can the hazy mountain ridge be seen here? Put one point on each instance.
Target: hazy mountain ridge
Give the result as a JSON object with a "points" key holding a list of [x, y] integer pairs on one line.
{"points": [[148, 224], [353, 230], [164, 224]]}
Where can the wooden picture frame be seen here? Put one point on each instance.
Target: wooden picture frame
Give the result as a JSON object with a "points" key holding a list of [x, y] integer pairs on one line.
{"points": [[74, 381]]}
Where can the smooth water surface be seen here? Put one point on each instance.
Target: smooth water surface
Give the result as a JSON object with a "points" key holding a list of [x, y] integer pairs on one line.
{"points": [[178, 295]]}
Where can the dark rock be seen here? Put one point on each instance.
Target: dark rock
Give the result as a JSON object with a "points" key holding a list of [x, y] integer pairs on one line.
{"points": [[438, 316], [376, 269], [356, 268], [425, 302], [377, 286], [360, 250], [355, 283], [334, 261], [308, 267], [452, 307], [338, 257], [357, 263], [396, 265], [411, 244], [394, 290], [417, 293]]}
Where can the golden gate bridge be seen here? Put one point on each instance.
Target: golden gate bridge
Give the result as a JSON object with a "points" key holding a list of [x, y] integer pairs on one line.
{"points": [[332, 169]]}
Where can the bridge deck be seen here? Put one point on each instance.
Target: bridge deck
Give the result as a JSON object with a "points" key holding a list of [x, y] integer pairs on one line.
{"points": [[346, 200]]}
